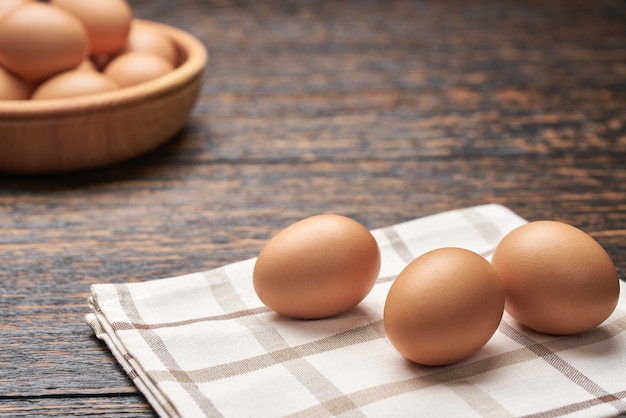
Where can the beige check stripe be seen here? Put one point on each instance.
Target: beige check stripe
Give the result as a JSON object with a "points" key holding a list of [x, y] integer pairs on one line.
{"points": [[203, 345]]}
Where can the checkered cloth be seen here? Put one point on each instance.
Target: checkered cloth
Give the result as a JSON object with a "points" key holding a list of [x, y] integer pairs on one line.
{"points": [[202, 344]]}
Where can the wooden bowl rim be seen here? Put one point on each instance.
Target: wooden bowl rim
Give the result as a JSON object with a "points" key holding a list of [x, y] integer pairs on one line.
{"points": [[193, 65]]}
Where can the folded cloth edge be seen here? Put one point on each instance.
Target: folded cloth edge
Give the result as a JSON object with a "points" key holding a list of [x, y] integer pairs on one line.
{"points": [[103, 330], [159, 401]]}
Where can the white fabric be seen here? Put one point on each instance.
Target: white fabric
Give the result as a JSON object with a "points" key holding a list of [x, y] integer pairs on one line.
{"points": [[202, 344]]}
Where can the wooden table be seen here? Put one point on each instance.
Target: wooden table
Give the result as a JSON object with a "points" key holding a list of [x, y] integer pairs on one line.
{"points": [[383, 111]]}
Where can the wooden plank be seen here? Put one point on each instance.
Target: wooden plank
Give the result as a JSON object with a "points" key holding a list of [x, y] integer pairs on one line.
{"points": [[77, 406], [382, 111]]}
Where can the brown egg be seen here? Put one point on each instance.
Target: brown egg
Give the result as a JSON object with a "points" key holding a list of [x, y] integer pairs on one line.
{"points": [[72, 84], [107, 22], [147, 39], [318, 267], [137, 67], [38, 40], [443, 307], [557, 279], [12, 88], [88, 65], [7, 5]]}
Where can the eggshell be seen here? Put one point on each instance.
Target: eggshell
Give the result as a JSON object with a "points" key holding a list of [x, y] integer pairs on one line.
{"points": [[38, 40], [147, 39], [7, 5], [87, 65], [107, 22], [137, 67], [12, 88], [557, 278], [443, 306], [318, 267], [74, 83]]}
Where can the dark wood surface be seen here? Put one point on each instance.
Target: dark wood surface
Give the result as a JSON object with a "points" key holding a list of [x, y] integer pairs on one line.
{"points": [[383, 111]]}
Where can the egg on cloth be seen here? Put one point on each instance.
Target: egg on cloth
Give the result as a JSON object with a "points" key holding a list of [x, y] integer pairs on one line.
{"points": [[557, 279], [321, 266], [443, 307]]}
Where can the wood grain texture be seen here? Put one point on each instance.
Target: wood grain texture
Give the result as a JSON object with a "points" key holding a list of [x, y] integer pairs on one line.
{"points": [[380, 110]]}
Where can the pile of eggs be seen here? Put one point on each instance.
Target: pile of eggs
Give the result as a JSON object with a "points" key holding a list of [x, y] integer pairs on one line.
{"points": [[68, 48], [446, 304]]}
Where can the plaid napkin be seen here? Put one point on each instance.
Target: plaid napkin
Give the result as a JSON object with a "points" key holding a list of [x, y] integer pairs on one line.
{"points": [[202, 344]]}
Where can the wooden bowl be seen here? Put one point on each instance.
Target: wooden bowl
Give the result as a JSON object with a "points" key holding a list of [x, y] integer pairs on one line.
{"points": [[61, 135]]}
